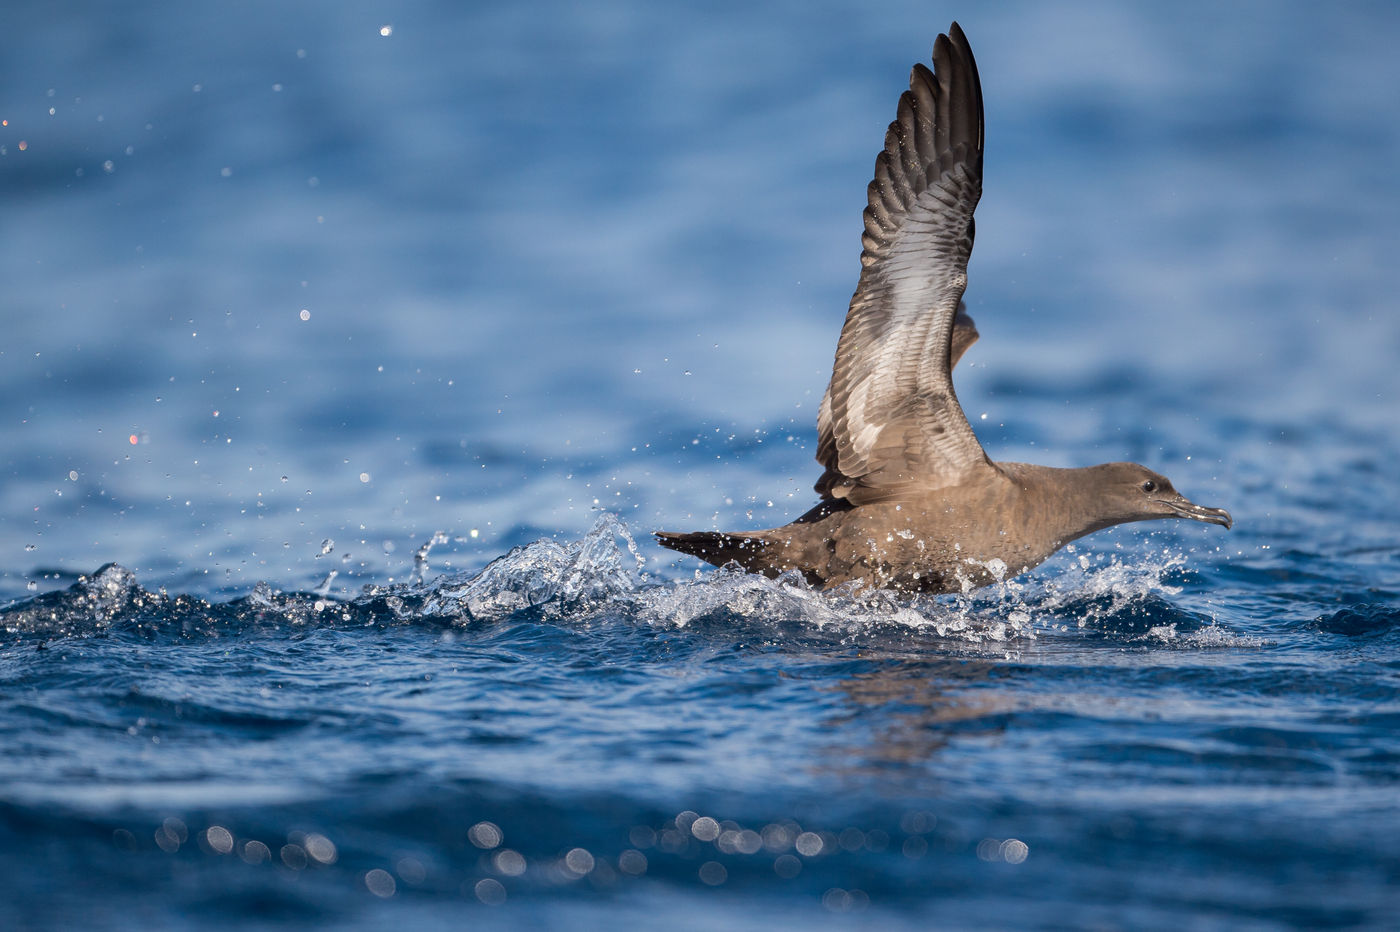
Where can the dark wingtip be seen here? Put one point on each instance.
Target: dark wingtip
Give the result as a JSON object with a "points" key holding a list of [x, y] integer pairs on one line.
{"points": [[953, 53], [941, 45]]}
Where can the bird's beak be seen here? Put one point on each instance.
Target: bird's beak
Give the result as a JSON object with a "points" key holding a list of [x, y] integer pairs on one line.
{"points": [[1188, 509]]}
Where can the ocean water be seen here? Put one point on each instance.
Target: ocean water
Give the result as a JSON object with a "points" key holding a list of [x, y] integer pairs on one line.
{"points": [[351, 352]]}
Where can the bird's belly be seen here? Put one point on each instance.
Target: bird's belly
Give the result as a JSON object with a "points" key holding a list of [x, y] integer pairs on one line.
{"points": [[928, 549]]}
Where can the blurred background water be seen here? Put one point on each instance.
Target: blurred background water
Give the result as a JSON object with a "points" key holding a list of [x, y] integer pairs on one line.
{"points": [[294, 290]]}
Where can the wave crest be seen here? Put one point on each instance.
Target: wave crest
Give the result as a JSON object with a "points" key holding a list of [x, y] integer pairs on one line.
{"points": [[602, 576]]}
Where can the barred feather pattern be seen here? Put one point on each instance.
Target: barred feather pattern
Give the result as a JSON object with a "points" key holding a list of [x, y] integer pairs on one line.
{"points": [[890, 420]]}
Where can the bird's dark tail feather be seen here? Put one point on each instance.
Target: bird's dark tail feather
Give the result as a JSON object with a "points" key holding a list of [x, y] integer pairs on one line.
{"points": [[717, 548]]}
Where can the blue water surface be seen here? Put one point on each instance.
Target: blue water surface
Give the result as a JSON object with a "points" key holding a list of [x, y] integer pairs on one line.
{"points": [[351, 352]]}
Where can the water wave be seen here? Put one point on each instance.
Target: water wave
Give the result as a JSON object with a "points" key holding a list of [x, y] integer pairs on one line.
{"points": [[603, 575]]}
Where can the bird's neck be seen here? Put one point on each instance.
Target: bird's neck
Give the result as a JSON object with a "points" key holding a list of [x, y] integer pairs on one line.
{"points": [[1068, 503]]}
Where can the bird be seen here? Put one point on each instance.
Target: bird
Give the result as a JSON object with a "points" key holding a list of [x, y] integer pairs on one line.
{"points": [[909, 500]]}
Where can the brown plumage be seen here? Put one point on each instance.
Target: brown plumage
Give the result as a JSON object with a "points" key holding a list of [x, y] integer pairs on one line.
{"points": [[909, 499]]}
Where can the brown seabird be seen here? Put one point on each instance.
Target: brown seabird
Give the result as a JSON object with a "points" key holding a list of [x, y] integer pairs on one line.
{"points": [[909, 499]]}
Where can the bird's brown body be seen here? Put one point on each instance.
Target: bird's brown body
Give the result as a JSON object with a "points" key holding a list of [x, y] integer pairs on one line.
{"points": [[1008, 520], [909, 499]]}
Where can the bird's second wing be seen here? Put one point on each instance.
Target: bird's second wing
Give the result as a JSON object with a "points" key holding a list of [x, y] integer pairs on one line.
{"points": [[890, 420]]}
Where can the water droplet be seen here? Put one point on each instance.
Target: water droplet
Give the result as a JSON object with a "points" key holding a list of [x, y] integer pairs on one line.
{"points": [[1014, 851], [509, 863], [255, 852], [490, 891], [579, 861], [713, 873], [294, 856], [219, 839], [705, 828], [411, 870], [380, 882], [320, 848], [485, 835]]}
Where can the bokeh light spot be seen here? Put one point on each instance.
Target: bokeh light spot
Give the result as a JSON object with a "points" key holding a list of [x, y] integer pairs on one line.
{"points": [[380, 882]]}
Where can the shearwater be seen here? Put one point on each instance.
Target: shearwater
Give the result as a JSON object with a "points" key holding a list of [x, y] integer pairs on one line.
{"points": [[909, 499]]}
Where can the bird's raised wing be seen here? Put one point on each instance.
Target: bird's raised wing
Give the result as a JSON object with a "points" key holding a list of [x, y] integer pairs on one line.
{"points": [[890, 421]]}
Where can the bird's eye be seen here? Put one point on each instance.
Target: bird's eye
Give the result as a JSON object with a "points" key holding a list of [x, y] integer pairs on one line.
{"points": [[1149, 486]]}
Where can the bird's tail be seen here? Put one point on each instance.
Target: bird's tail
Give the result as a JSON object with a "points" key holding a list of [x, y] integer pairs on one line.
{"points": [[718, 548]]}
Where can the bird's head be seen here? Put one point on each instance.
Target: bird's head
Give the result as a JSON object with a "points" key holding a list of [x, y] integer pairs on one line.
{"points": [[1130, 492]]}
